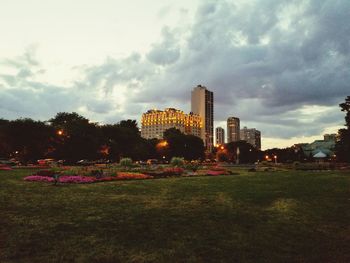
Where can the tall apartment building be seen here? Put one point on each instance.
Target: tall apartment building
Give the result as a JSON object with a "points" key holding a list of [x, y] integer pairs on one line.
{"points": [[220, 135], [202, 103], [233, 127], [155, 122], [252, 136]]}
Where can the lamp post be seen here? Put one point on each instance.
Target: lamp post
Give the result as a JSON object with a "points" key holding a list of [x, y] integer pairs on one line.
{"points": [[275, 157]]}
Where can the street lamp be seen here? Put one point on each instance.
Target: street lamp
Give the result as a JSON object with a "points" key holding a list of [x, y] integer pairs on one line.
{"points": [[275, 157]]}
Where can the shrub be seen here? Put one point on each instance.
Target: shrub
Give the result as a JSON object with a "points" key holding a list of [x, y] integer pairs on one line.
{"points": [[177, 161], [126, 162], [193, 166], [96, 173]]}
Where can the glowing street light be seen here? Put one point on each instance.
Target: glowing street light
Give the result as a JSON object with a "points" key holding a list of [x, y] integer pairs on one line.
{"points": [[60, 132], [275, 157]]}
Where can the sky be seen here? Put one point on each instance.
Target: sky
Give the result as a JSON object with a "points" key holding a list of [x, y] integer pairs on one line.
{"points": [[281, 66]]}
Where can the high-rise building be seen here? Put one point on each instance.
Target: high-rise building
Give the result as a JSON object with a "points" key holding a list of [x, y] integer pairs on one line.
{"points": [[252, 136], [220, 135], [233, 129], [202, 103], [155, 122]]}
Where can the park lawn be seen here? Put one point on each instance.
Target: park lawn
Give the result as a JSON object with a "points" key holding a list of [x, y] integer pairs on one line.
{"points": [[251, 217]]}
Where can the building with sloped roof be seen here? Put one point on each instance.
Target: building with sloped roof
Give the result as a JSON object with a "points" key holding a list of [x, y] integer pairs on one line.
{"points": [[325, 146]]}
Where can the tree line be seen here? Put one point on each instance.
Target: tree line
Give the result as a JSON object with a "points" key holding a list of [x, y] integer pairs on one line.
{"points": [[72, 137]]}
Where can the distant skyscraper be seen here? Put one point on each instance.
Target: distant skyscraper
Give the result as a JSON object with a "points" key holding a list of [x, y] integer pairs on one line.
{"points": [[220, 135], [252, 136], [202, 103], [233, 129]]}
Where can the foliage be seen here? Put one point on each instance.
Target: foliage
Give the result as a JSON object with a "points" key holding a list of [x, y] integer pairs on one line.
{"points": [[24, 139], [177, 161], [247, 153], [96, 173], [126, 162], [343, 144], [193, 166], [189, 147]]}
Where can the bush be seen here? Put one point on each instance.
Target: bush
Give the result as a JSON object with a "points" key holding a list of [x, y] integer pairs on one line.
{"points": [[126, 162], [177, 161], [193, 166], [96, 173]]}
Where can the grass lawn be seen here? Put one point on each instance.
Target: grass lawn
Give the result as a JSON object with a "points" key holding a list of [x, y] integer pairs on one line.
{"points": [[251, 217]]}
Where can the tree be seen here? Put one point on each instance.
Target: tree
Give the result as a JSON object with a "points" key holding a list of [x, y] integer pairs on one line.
{"points": [[180, 145], [29, 140], [342, 148], [247, 152], [5, 147], [76, 138]]}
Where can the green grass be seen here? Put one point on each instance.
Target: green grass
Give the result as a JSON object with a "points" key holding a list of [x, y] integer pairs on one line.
{"points": [[251, 217]]}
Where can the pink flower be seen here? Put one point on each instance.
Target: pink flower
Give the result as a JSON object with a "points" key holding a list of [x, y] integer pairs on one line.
{"points": [[214, 173], [37, 178], [76, 179]]}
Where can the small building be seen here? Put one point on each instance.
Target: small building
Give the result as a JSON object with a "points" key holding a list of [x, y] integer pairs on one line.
{"points": [[320, 147]]}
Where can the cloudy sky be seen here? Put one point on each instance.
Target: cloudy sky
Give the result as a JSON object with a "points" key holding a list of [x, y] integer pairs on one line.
{"points": [[281, 66]]}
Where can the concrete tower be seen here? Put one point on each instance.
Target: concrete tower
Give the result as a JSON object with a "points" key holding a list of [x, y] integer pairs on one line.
{"points": [[202, 103]]}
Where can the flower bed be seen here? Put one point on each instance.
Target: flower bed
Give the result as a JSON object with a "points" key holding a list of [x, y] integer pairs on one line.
{"points": [[217, 171], [5, 168], [76, 179], [127, 176], [38, 178], [79, 179]]}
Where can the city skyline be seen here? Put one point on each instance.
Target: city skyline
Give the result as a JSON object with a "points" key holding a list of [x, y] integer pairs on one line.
{"points": [[281, 67]]}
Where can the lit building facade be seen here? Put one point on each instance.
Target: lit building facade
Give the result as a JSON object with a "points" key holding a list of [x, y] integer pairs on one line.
{"points": [[220, 135], [155, 122], [202, 103], [252, 136], [233, 128]]}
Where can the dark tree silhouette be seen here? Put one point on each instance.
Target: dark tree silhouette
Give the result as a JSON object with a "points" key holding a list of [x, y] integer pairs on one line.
{"points": [[188, 146], [342, 148]]}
